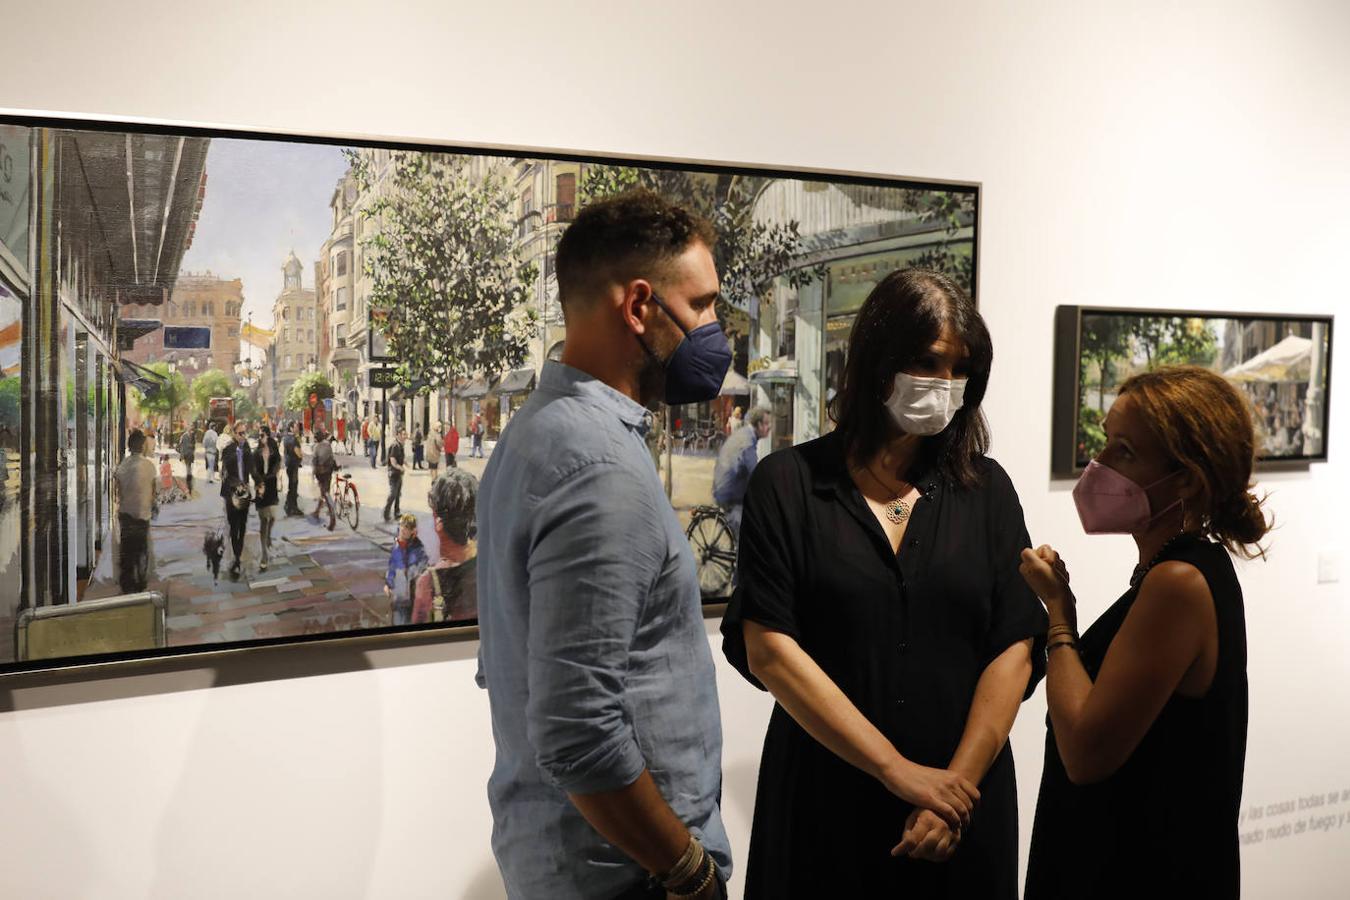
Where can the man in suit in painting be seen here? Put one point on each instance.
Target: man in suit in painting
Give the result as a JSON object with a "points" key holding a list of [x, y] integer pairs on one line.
{"points": [[236, 468]]}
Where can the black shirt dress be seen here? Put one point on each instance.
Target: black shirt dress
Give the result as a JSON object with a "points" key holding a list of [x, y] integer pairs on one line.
{"points": [[1165, 824], [906, 637]]}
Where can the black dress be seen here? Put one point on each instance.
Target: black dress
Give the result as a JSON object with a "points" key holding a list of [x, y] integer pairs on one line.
{"points": [[906, 637], [1166, 823], [266, 476]]}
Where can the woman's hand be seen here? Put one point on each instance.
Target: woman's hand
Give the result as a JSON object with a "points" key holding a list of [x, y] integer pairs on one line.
{"points": [[1047, 575], [927, 837], [951, 796]]}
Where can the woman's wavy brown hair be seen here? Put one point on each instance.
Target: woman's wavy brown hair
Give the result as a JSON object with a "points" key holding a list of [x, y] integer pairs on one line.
{"points": [[1206, 426]]}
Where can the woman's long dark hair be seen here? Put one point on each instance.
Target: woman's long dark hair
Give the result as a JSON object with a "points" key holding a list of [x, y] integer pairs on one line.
{"points": [[900, 320]]}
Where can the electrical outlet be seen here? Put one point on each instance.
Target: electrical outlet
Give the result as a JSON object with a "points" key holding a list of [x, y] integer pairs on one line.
{"points": [[1328, 568]]}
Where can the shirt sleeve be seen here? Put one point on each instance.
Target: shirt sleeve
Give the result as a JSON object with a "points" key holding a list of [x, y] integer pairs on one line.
{"points": [[596, 550], [765, 563], [1017, 613]]}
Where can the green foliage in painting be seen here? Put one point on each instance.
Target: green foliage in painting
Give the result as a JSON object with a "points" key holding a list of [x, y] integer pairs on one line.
{"points": [[244, 407], [1113, 346], [748, 254], [297, 398], [449, 289], [9, 402], [171, 394], [211, 383], [953, 211]]}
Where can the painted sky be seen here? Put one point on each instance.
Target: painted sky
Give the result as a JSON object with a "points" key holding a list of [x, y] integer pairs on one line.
{"points": [[264, 199]]}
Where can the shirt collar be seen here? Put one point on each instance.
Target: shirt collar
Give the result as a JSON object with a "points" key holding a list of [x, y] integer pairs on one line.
{"points": [[567, 381], [830, 472]]}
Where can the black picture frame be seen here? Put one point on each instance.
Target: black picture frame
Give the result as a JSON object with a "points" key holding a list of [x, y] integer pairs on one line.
{"points": [[1067, 452]]}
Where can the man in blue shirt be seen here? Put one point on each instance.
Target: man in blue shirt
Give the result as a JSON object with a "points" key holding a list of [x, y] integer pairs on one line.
{"points": [[598, 670], [736, 460]]}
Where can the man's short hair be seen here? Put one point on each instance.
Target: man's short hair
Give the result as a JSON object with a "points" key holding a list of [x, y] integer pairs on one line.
{"points": [[637, 234], [136, 441], [758, 416], [453, 498]]}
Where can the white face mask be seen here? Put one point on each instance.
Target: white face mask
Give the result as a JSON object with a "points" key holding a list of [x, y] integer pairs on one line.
{"points": [[925, 406]]}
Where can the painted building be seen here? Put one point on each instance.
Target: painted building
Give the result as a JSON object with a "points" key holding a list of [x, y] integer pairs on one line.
{"points": [[297, 326], [340, 357], [65, 276], [199, 299]]}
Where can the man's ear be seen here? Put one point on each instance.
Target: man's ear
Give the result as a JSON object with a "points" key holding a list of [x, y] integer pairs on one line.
{"points": [[636, 300]]}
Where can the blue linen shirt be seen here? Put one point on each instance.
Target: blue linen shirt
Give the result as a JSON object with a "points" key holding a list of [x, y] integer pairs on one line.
{"points": [[593, 649]]}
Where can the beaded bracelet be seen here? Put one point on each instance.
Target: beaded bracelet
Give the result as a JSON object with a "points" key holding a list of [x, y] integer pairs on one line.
{"points": [[689, 865], [683, 890]]}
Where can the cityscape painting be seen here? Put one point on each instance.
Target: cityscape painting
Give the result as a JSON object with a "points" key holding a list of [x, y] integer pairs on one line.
{"points": [[1280, 363], [210, 383]]}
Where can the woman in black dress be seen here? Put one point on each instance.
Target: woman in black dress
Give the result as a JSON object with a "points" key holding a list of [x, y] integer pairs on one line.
{"points": [[266, 465], [879, 600], [1148, 710]]}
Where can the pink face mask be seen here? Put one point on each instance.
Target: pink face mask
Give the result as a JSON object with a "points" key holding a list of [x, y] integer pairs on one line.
{"points": [[1110, 503]]}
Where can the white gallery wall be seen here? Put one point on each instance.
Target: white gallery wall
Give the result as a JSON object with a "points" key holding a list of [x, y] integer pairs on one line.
{"points": [[1131, 154]]}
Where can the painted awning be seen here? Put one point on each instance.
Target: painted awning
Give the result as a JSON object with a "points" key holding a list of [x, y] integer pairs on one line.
{"points": [[1289, 360], [128, 330], [780, 371], [516, 382], [473, 390], [145, 380], [734, 385]]}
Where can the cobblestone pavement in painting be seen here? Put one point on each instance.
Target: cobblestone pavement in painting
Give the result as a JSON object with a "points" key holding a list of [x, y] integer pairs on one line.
{"points": [[318, 581]]}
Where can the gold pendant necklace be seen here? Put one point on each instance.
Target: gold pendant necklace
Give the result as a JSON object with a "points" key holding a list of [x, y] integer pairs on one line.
{"points": [[897, 510]]}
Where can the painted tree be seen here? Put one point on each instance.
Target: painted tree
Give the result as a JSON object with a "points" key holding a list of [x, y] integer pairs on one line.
{"points": [[1104, 343], [1173, 340], [167, 397], [297, 398], [748, 255], [211, 383], [244, 405], [450, 291], [953, 211]]}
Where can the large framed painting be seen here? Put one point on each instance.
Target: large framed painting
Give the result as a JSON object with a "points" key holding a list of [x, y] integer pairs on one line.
{"points": [[1280, 362], [164, 287]]}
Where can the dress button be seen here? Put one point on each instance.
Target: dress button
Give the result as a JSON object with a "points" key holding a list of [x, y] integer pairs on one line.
{"points": [[904, 645], [914, 542]]}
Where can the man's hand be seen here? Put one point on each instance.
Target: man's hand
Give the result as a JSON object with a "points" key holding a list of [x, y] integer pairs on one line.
{"points": [[927, 837]]}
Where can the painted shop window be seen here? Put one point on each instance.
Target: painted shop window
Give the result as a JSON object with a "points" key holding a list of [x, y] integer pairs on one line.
{"points": [[11, 429]]}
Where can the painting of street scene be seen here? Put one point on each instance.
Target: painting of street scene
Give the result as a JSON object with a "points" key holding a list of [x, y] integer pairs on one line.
{"points": [[254, 399], [1281, 365]]}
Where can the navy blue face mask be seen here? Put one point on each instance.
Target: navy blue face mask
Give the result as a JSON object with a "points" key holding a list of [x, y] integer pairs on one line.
{"points": [[695, 371]]}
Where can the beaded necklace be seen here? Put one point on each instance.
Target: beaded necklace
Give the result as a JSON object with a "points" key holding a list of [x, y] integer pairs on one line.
{"points": [[1141, 570]]}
